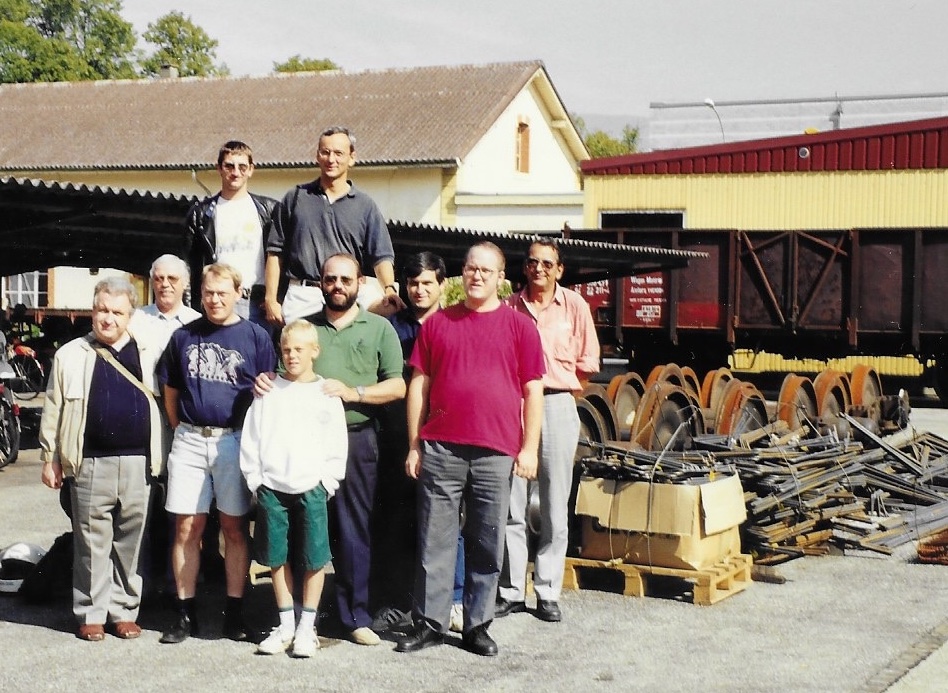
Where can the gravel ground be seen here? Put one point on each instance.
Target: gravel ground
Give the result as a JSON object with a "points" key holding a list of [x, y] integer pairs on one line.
{"points": [[839, 623]]}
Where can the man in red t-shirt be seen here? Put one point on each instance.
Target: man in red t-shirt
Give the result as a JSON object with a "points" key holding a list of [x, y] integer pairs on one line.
{"points": [[475, 407]]}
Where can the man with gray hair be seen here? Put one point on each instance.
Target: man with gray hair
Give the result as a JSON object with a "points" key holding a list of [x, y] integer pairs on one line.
{"points": [[317, 220], [170, 277], [101, 428]]}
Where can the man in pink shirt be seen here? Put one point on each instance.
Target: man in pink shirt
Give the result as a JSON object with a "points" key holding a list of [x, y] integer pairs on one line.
{"points": [[571, 355], [475, 404]]}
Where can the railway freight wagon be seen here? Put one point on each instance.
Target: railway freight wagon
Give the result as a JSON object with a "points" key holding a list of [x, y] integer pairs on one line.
{"points": [[798, 293]]}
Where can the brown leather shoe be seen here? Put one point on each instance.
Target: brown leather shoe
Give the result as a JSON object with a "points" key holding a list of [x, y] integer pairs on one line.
{"points": [[93, 632], [127, 630]]}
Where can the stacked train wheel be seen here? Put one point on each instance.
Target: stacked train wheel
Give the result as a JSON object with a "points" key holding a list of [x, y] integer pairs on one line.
{"points": [[669, 408]]}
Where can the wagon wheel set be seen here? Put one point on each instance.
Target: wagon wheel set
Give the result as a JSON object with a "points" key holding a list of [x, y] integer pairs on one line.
{"points": [[672, 406]]}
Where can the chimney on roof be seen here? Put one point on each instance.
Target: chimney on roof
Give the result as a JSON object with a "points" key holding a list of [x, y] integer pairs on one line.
{"points": [[168, 72]]}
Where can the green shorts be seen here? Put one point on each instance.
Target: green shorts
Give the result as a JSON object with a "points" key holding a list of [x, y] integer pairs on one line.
{"points": [[298, 517]]}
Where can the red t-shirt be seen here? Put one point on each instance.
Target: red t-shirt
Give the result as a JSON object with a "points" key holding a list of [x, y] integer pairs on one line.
{"points": [[477, 364]]}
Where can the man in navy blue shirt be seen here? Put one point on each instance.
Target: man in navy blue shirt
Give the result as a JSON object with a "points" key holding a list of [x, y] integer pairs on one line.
{"points": [[101, 428], [424, 277], [207, 372]]}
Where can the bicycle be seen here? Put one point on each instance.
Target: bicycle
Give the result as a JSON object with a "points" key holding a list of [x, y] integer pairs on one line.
{"points": [[9, 428], [28, 371]]}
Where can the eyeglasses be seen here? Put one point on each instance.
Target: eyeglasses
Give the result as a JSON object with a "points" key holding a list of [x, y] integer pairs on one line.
{"points": [[331, 279], [471, 270], [230, 166], [533, 263], [326, 153]]}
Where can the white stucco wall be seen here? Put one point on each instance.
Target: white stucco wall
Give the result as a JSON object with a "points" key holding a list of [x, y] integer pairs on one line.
{"points": [[491, 166], [72, 287]]}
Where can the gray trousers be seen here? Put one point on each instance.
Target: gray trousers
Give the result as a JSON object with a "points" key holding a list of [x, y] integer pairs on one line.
{"points": [[482, 477], [558, 440], [109, 507]]}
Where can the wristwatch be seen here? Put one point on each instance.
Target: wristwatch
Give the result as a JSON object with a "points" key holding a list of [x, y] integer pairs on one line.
{"points": [[360, 390]]}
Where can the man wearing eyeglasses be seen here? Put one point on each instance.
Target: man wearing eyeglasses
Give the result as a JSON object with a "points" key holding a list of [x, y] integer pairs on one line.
{"points": [[475, 403], [232, 227], [318, 219], [571, 355]]}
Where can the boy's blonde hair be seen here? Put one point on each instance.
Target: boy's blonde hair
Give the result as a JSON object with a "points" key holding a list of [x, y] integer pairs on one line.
{"points": [[304, 328]]}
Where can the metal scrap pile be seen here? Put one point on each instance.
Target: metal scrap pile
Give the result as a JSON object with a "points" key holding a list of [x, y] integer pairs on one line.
{"points": [[806, 495]]}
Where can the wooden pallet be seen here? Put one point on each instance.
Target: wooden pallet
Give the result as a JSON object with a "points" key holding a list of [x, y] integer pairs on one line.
{"points": [[711, 585]]}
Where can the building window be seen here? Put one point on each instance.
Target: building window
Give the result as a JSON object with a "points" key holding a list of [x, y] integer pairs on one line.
{"points": [[31, 289], [523, 146]]}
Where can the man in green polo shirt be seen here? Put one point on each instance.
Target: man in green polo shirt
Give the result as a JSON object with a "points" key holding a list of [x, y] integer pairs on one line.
{"points": [[361, 359]]}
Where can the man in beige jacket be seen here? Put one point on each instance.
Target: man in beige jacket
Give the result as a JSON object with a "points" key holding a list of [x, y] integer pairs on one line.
{"points": [[100, 429]]}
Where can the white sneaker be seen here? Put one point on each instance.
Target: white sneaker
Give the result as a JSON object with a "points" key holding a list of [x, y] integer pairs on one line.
{"points": [[275, 643], [457, 618], [365, 636], [305, 643]]}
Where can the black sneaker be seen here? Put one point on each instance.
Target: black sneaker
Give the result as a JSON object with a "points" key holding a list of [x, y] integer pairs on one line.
{"points": [[391, 619]]}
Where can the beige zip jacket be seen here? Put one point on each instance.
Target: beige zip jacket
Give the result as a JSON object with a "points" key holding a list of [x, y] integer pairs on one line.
{"points": [[62, 428]]}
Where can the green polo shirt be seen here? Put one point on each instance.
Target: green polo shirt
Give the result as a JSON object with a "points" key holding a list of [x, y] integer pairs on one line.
{"points": [[364, 352]]}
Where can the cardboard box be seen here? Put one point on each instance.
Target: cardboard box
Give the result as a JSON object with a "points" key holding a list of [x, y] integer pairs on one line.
{"points": [[669, 525]]}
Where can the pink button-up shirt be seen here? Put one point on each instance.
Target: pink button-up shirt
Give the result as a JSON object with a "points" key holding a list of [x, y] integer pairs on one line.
{"points": [[568, 336]]}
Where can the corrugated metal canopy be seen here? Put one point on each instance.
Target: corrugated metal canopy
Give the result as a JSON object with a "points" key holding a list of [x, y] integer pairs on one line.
{"points": [[46, 225], [585, 261]]}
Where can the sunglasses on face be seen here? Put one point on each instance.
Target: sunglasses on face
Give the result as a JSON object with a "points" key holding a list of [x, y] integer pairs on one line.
{"points": [[533, 263]]}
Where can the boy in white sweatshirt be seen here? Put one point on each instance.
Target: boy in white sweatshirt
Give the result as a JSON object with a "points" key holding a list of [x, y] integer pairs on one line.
{"points": [[293, 455]]}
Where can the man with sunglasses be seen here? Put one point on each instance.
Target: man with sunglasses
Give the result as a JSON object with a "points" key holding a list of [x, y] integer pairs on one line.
{"points": [[571, 355], [361, 359], [232, 227]]}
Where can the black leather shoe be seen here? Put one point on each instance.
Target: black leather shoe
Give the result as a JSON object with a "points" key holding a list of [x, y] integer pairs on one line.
{"points": [[479, 642], [548, 611], [504, 606], [182, 629], [418, 639]]}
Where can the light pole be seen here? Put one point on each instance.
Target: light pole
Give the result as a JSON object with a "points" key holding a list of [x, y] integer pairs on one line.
{"points": [[710, 104]]}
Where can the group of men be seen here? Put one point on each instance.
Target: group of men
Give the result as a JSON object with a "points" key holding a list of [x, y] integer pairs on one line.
{"points": [[489, 406]]}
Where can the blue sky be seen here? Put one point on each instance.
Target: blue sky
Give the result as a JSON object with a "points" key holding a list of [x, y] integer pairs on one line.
{"points": [[609, 57]]}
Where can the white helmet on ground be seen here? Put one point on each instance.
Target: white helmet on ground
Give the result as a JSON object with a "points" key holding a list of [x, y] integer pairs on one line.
{"points": [[16, 562]]}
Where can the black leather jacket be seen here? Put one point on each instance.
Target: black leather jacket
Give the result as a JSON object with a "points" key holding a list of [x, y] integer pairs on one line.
{"points": [[201, 243]]}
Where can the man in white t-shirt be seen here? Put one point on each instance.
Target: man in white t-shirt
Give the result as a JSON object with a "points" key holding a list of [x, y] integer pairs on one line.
{"points": [[232, 227]]}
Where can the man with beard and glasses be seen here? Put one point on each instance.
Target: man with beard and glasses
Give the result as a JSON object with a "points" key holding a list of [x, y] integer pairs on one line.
{"points": [[361, 360]]}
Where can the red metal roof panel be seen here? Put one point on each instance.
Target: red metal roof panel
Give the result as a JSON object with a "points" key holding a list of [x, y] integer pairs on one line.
{"points": [[912, 145]]}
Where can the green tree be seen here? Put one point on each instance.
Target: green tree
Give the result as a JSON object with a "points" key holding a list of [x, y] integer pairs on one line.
{"points": [[26, 56], [601, 144], [15, 10], [454, 291], [300, 64], [183, 44], [54, 40]]}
